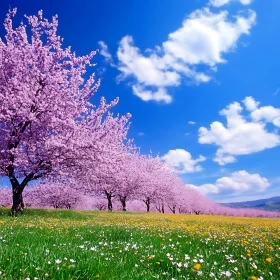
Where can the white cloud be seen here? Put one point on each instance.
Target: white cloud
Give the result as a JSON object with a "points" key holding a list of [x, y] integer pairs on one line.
{"points": [[105, 52], [240, 182], [206, 36], [242, 136], [182, 161], [250, 103], [147, 95], [246, 2], [203, 39], [192, 122], [219, 3], [267, 114], [140, 133], [147, 70]]}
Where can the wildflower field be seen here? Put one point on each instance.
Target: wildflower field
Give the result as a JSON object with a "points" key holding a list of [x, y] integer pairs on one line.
{"points": [[49, 244]]}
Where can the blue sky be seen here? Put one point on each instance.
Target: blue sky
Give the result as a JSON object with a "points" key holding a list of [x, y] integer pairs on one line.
{"points": [[200, 78]]}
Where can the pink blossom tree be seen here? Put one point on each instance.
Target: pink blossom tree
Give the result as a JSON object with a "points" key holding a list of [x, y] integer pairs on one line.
{"points": [[152, 175], [100, 204], [129, 178], [164, 192], [102, 171], [102, 175], [178, 197], [54, 195], [47, 122]]}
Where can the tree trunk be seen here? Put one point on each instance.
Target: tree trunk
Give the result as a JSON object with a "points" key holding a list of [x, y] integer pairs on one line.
{"points": [[110, 204], [147, 202], [123, 202], [158, 207], [173, 208], [18, 204], [17, 189], [162, 208]]}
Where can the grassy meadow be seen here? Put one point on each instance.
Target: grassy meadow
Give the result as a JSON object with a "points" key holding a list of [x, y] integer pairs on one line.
{"points": [[52, 244]]}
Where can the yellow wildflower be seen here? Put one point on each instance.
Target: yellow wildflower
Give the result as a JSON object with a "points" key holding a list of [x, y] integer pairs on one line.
{"points": [[268, 260]]}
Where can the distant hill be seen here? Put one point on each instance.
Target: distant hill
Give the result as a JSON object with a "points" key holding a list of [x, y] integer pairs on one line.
{"points": [[272, 204]]}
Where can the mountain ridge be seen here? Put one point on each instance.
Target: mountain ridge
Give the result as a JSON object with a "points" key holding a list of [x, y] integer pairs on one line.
{"points": [[272, 204]]}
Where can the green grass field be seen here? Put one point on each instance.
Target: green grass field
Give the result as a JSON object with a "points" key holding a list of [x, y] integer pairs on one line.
{"points": [[48, 244]]}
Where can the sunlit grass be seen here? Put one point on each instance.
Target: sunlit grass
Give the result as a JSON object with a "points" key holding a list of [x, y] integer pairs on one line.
{"points": [[46, 244]]}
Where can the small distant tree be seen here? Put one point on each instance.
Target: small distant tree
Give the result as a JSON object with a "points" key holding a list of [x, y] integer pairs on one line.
{"points": [[154, 182], [55, 195], [129, 178], [148, 166], [100, 204]]}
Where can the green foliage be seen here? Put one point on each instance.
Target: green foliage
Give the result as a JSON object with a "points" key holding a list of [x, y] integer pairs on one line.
{"points": [[52, 244]]}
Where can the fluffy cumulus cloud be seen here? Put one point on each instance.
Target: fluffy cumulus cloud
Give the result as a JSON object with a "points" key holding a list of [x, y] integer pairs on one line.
{"points": [[242, 134], [219, 3], [267, 114], [203, 39], [182, 161], [239, 183], [250, 103]]}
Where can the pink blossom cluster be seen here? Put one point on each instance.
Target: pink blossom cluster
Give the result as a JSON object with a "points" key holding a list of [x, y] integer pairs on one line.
{"points": [[48, 124], [5, 196]]}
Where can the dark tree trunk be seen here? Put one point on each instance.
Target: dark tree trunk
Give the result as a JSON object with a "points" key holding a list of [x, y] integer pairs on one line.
{"points": [[123, 202], [18, 204], [148, 207], [158, 208], [17, 189], [147, 202], [173, 209], [162, 208], [110, 204]]}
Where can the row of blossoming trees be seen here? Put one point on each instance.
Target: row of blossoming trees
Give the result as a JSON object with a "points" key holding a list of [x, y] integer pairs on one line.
{"points": [[181, 200], [52, 133]]}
